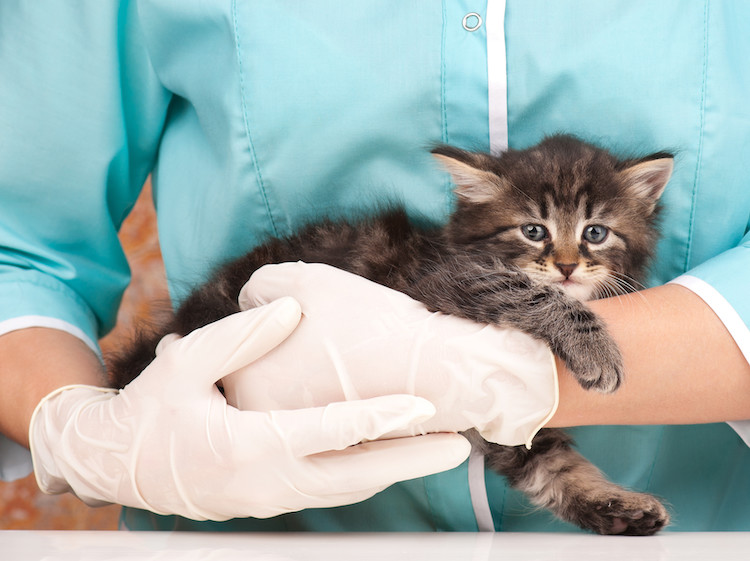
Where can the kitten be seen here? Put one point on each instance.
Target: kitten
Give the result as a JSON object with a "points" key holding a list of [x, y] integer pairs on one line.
{"points": [[534, 233]]}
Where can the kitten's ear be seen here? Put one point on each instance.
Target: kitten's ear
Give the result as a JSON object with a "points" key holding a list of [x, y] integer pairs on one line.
{"points": [[473, 183], [648, 178]]}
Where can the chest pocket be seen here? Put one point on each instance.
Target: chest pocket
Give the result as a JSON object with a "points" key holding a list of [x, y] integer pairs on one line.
{"points": [[342, 119]]}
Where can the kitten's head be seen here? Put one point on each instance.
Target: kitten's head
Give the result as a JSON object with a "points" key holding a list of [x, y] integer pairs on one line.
{"points": [[565, 212]]}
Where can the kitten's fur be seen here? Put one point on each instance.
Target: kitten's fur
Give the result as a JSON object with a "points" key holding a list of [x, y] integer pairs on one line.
{"points": [[534, 233]]}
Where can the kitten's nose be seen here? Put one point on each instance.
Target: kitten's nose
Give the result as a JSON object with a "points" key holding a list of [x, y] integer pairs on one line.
{"points": [[566, 268]]}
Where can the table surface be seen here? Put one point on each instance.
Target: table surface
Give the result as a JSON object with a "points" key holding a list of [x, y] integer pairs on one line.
{"points": [[23, 545]]}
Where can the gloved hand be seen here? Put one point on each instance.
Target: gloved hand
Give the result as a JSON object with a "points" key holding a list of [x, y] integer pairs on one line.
{"points": [[169, 442], [358, 339]]}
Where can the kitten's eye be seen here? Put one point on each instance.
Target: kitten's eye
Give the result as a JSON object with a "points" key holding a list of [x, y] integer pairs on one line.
{"points": [[595, 234], [535, 232]]}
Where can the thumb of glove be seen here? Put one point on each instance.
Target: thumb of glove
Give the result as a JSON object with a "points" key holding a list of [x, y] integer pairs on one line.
{"points": [[271, 282], [222, 347]]}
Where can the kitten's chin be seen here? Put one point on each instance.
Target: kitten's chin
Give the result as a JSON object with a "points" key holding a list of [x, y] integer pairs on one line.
{"points": [[577, 290]]}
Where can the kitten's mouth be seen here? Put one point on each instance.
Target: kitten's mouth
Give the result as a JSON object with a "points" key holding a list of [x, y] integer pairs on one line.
{"points": [[567, 284]]}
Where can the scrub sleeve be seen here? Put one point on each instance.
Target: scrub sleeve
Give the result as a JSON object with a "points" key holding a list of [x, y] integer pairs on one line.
{"points": [[81, 113]]}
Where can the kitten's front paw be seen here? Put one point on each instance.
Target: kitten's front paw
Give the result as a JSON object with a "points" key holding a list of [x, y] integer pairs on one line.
{"points": [[593, 357]]}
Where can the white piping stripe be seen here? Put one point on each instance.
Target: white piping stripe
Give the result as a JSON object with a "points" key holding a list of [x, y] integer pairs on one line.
{"points": [[734, 324], [478, 492], [742, 428], [24, 322], [723, 309], [497, 79], [497, 92]]}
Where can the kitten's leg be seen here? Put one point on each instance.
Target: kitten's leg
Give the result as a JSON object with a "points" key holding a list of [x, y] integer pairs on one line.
{"points": [[490, 293], [556, 477]]}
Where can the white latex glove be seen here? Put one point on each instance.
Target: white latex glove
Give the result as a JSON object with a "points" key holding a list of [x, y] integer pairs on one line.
{"points": [[169, 443], [358, 339]]}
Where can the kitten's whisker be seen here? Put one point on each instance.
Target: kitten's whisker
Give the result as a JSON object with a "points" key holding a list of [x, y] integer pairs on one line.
{"points": [[612, 289], [605, 288], [622, 287], [632, 282]]}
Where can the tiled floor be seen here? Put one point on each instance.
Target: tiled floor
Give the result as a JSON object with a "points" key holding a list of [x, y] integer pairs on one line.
{"points": [[22, 505]]}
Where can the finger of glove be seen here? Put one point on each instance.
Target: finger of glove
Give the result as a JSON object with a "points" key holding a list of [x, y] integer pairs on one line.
{"points": [[165, 341], [235, 341], [285, 279], [270, 282], [335, 299], [342, 424], [305, 501], [348, 498], [367, 468]]}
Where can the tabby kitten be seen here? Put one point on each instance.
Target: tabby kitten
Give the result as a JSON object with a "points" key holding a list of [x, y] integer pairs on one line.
{"points": [[534, 233]]}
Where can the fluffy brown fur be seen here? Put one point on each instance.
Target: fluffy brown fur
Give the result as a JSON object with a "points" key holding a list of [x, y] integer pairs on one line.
{"points": [[534, 234]]}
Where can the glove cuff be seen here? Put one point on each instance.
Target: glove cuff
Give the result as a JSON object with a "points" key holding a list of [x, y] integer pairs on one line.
{"points": [[553, 409], [45, 429], [541, 397]]}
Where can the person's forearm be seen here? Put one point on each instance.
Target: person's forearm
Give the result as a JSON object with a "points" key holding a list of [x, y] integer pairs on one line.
{"points": [[36, 361], [681, 365]]}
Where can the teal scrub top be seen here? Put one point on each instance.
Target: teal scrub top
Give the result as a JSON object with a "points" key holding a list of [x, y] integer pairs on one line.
{"points": [[256, 117]]}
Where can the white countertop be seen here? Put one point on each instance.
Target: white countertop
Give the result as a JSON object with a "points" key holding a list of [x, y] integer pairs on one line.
{"points": [[25, 545]]}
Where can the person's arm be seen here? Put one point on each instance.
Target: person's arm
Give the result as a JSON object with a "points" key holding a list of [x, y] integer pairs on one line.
{"points": [[681, 365], [84, 111], [35, 362]]}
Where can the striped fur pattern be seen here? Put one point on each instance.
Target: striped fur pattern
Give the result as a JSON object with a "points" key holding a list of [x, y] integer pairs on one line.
{"points": [[534, 234]]}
